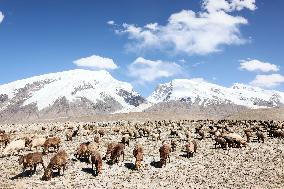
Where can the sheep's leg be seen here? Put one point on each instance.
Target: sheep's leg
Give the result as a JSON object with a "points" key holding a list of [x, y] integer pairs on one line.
{"points": [[64, 167], [43, 165], [35, 168], [59, 169], [31, 171], [169, 158], [24, 168], [122, 156]]}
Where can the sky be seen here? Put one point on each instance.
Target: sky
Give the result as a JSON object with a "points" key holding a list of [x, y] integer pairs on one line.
{"points": [[146, 42]]}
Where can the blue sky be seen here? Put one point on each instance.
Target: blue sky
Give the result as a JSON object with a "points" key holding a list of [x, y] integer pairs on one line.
{"points": [[38, 37]]}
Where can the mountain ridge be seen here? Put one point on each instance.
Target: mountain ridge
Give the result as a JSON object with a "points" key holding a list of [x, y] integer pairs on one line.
{"points": [[81, 92]]}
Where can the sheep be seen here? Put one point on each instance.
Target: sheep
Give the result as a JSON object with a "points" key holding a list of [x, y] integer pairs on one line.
{"points": [[97, 139], [116, 152], [36, 142], [101, 132], [96, 159], [4, 138], [141, 133], [69, 135], [56, 162], [138, 154], [51, 142], [82, 151], [173, 133], [165, 150], [109, 149], [277, 133], [75, 133], [191, 148], [201, 132], [31, 160], [156, 136], [260, 136], [240, 143], [220, 141], [125, 140], [248, 133], [92, 147], [16, 145], [229, 141], [173, 145], [238, 140]]}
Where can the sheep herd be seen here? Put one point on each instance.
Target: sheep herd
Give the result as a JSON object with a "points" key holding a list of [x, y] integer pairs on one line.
{"points": [[186, 135]]}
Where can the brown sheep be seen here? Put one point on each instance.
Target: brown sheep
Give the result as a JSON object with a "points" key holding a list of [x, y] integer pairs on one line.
{"points": [[260, 136], [191, 148], [116, 152], [51, 142], [82, 151], [109, 149], [248, 133], [96, 159], [4, 138], [138, 154], [165, 154], [97, 139], [101, 132], [69, 135], [31, 160], [56, 162]]}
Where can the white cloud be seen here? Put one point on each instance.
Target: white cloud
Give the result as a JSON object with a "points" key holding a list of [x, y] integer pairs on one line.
{"points": [[256, 65], [192, 33], [1, 16], [96, 62], [241, 4], [149, 70], [268, 80], [228, 6], [152, 26], [110, 22]]}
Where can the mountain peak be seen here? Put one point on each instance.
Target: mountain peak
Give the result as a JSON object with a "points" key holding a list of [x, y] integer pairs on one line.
{"points": [[94, 91], [199, 91]]}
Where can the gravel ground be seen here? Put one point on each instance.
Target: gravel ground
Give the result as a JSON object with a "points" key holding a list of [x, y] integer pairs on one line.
{"points": [[260, 165]]}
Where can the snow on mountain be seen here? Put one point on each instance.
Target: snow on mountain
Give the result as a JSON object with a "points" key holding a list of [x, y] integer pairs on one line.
{"points": [[45, 90], [204, 93], [84, 92]]}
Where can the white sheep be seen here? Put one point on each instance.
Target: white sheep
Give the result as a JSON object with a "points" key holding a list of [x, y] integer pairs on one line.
{"points": [[37, 142], [13, 146]]}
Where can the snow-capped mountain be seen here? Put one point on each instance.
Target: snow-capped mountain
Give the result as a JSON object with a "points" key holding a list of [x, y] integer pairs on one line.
{"points": [[79, 92], [68, 93], [198, 91]]}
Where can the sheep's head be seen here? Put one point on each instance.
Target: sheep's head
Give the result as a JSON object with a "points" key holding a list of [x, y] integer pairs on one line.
{"points": [[47, 174], [27, 142], [163, 162], [21, 160], [138, 164], [97, 139]]}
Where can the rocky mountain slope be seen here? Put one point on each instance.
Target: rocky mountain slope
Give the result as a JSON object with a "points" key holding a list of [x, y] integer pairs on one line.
{"points": [[198, 94], [78, 93], [69, 93]]}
